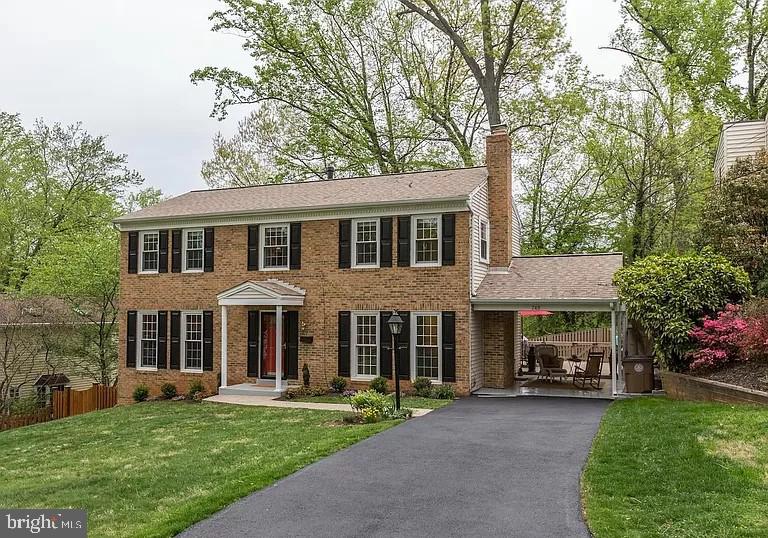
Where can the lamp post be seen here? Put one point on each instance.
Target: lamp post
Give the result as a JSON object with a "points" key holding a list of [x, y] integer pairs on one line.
{"points": [[395, 327]]}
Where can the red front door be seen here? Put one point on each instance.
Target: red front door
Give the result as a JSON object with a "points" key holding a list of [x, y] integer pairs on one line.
{"points": [[269, 346]]}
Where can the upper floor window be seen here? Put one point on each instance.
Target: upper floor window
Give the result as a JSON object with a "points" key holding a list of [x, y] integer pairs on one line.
{"points": [[149, 243], [147, 348], [365, 351], [426, 239], [484, 240], [426, 345], [192, 341], [365, 251], [275, 246], [193, 250]]}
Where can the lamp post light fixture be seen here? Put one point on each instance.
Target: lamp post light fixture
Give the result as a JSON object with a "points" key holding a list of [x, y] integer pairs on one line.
{"points": [[395, 323]]}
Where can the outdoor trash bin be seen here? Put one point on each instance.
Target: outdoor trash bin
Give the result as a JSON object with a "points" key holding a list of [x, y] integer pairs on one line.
{"points": [[638, 374]]}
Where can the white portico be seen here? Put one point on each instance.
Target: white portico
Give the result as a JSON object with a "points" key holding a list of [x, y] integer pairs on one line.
{"points": [[270, 296]]}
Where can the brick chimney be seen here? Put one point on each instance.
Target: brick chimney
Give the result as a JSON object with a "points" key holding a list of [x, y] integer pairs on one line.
{"points": [[498, 160]]}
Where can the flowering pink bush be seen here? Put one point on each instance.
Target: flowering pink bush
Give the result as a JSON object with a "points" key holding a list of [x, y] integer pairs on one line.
{"points": [[719, 340]]}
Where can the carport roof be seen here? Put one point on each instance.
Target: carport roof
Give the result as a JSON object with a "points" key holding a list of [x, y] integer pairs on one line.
{"points": [[559, 282]]}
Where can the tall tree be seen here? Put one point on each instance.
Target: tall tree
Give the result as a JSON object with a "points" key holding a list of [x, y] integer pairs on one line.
{"points": [[716, 51], [506, 46], [55, 181]]}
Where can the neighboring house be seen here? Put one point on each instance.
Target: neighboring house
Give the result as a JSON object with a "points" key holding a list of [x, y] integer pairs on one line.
{"points": [[239, 288], [739, 139], [34, 333]]}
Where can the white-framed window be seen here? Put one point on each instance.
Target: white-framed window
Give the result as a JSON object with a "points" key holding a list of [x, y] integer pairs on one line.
{"points": [[365, 351], [147, 348], [483, 231], [149, 255], [425, 239], [365, 244], [274, 242], [192, 252], [192, 341], [426, 340], [14, 392]]}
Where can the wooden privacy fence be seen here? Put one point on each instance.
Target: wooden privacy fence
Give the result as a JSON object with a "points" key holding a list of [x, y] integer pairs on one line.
{"points": [[8, 422], [599, 335], [68, 402]]}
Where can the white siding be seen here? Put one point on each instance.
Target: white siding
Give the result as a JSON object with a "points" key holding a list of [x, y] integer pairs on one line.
{"points": [[738, 140], [476, 365], [478, 206]]}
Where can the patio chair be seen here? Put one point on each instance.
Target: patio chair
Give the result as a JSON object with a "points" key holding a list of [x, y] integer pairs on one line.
{"points": [[590, 374], [550, 365]]}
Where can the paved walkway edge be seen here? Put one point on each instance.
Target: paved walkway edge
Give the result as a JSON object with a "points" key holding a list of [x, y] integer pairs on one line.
{"points": [[269, 401]]}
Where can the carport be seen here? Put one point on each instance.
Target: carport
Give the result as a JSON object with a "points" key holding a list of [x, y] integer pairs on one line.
{"points": [[558, 283]]}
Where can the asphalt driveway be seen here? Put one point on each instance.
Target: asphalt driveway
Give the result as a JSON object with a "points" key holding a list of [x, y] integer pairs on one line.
{"points": [[480, 467]]}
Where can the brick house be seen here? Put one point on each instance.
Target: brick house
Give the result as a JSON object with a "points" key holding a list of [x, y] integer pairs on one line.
{"points": [[240, 288]]}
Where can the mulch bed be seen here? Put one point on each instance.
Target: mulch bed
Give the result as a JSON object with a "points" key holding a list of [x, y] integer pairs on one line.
{"points": [[751, 375]]}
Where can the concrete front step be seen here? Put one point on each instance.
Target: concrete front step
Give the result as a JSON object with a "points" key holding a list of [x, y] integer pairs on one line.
{"points": [[252, 389]]}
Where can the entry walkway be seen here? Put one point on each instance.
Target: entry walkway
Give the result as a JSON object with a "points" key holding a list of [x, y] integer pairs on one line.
{"points": [[479, 467]]}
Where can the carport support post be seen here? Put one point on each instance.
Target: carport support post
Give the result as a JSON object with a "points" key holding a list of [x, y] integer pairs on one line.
{"points": [[614, 373]]}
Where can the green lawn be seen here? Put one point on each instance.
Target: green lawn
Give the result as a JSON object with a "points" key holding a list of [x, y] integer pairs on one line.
{"points": [[411, 402], [154, 469], [678, 469]]}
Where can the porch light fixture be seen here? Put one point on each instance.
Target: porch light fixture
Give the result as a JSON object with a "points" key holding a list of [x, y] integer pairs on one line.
{"points": [[396, 323]]}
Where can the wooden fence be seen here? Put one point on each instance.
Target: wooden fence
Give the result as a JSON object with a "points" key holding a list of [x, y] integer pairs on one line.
{"points": [[67, 402], [600, 335], [8, 422]]}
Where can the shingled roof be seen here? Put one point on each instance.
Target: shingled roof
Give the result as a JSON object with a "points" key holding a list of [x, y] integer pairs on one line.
{"points": [[435, 185], [560, 278]]}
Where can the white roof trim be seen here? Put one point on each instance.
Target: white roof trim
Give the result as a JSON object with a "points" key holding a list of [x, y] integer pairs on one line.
{"points": [[256, 293], [571, 304]]}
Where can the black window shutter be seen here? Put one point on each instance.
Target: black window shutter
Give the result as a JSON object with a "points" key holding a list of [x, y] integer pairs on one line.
{"points": [[208, 340], [176, 251], [162, 251], [295, 245], [403, 241], [253, 247], [130, 350], [385, 346], [175, 340], [449, 239], [404, 347], [208, 251], [344, 323], [133, 252], [449, 346], [162, 338], [385, 242], [292, 343], [345, 244], [253, 344]]}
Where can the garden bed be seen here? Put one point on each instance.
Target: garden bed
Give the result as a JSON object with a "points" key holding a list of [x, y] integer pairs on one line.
{"points": [[750, 374]]}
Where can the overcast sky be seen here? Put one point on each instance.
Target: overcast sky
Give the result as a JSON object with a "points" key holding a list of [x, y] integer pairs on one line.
{"points": [[122, 69]]}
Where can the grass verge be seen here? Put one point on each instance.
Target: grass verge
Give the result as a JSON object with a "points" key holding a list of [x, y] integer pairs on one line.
{"points": [[154, 469], [664, 468], [411, 402]]}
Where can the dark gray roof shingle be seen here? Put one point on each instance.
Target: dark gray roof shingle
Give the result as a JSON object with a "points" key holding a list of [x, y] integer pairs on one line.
{"points": [[373, 190]]}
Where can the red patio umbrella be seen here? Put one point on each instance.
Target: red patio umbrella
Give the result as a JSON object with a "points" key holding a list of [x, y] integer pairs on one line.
{"points": [[532, 313]]}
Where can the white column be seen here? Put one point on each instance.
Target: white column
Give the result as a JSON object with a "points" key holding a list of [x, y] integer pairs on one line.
{"points": [[279, 348], [614, 372], [223, 346]]}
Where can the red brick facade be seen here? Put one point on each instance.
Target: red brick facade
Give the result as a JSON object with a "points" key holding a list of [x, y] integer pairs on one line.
{"points": [[328, 291]]}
